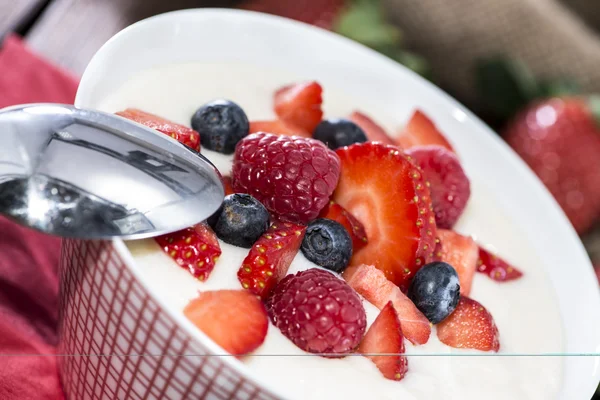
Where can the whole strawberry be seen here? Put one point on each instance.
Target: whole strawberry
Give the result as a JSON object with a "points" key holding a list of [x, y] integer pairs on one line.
{"points": [[292, 176], [560, 140]]}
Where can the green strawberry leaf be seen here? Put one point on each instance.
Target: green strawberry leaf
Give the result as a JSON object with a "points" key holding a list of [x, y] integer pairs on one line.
{"points": [[413, 62], [364, 22], [559, 87], [505, 86], [593, 103]]}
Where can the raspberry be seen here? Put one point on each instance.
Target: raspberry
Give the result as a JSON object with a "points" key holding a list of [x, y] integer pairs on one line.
{"points": [[450, 187], [292, 176], [319, 312]]}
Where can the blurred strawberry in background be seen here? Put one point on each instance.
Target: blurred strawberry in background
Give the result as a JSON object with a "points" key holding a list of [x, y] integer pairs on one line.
{"points": [[315, 12], [559, 139], [555, 130]]}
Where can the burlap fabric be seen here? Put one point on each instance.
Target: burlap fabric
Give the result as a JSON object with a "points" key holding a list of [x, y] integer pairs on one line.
{"points": [[550, 36]]}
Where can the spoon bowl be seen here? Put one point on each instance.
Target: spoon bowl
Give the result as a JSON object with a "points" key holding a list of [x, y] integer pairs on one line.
{"points": [[85, 174]]}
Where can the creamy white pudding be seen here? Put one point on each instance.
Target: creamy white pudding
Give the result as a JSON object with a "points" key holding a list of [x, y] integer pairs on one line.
{"points": [[525, 310]]}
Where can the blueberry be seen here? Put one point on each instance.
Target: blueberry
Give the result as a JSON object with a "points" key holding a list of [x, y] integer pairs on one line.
{"points": [[221, 125], [327, 244], [339, 133], [435, 291], [240, 221]]}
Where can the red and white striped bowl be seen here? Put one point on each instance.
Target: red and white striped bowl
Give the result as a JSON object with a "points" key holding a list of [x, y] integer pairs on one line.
{"points": [[121, 342], [124, 343]]}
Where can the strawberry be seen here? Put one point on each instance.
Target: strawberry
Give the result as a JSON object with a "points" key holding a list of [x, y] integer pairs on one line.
{"points": [[195, 249], [372, 284], [386, 193], [356, 230], [437, 252], [181, 133], [236, 320], [227, 185], [462, 253], [300, 105], [374, 132], [495, 267], [421, 131], [315, 12], [385, 337], [277, 127], [470, 326], [560, 141], [270, 257]]}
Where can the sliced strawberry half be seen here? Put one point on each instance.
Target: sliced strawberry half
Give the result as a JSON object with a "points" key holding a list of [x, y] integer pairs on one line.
{"points": [[299, 104], [470, 326], [179, 132], [385, 337], [356, 230], [372, 284], [195, 249], [387, 194], [234, 319], [227, 185], [270, 257], [462, 253], [374, 132], [421, 131], [496, 268], [278, 127]]}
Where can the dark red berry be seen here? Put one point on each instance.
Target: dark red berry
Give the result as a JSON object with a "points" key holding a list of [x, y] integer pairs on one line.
{"points": [[292, 176], [449, 185], [319, 312]]}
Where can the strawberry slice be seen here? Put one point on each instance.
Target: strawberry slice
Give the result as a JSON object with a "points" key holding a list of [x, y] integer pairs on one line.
{"points": [[270, 257], [385, 337], [462, 253], [372, 284], [437, 252], [495, 267], [299, 104], [374, 132], [356, 230], [277, 127], [470, 326], [227, 185], [234, 319], [420, 131], [179, 132], [386, 193], [195, 249]]}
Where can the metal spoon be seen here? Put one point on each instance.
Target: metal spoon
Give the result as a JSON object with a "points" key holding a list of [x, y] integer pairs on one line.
{"points": [[85, 174]]}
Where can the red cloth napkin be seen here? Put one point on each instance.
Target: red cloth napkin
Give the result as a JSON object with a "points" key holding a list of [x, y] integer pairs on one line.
{"points": [[29, 260]]}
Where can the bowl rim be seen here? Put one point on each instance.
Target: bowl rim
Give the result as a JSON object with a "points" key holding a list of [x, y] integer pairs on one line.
{"points": [[566, 231]]}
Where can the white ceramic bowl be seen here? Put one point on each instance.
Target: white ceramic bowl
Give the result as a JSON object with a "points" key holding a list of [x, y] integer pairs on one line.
{"points": [[107, 308]]}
